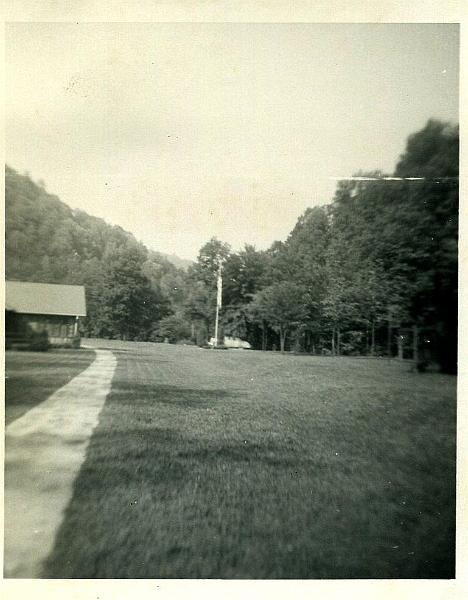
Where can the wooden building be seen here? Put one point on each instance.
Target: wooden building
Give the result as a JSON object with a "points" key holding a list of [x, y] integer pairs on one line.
{"points": [[48, 307]]}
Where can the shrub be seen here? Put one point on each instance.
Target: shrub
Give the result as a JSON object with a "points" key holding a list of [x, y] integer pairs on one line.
{"points": [[39, 341]]}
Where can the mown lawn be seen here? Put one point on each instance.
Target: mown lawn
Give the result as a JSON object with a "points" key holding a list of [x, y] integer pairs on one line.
{"points": [[237, 464], [31, 377]]}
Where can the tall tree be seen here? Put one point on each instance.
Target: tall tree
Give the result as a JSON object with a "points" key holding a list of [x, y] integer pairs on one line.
{"points": [[283, 305], [433, 154], [130, 306]]}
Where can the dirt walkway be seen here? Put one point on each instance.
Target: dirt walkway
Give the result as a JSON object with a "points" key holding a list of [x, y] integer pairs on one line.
{"points": [[44, 450]]}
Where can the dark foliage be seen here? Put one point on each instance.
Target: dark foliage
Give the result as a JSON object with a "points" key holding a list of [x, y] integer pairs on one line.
{"points": [[19, 335]]}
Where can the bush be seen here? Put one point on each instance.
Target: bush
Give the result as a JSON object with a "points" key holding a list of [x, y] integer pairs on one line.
{"points": [[172, 327], [19, 335], [39, 341], [186, 342]]}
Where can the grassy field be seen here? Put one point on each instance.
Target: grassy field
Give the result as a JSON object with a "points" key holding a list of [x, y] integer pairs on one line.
{"points": [[238, 464], [31, 377]]}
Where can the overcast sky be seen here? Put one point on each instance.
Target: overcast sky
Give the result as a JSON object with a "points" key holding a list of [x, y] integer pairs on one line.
{"points": [[181, 132]]}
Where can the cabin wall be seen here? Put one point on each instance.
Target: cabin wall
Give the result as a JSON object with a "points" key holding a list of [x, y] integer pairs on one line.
{"points": [[60, 329]]}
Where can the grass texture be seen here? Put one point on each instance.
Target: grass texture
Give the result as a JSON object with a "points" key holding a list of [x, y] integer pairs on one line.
{"points": [[31, 377], [246, 465]]}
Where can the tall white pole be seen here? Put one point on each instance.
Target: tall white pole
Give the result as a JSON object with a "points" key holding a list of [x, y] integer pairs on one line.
{"points": [[219, 300], [216, 327]]}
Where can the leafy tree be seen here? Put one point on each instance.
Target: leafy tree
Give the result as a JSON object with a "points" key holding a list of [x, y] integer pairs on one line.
{"points": [[209, 257], [199, 309], [242, 278], [201, 285], [130, 306], [306, 255], [372, 296], [166, 279], [283, 306], [174, 328], [433, 153]]}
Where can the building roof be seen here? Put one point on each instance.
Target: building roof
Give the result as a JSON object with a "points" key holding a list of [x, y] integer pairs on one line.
{"points": [[45, 298]]}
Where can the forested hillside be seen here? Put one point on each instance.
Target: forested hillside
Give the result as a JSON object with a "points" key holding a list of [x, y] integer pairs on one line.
{"points": [[374, 272], [128, 288]]}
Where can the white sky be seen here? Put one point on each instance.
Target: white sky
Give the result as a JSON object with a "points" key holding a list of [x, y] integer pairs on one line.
{"points": [[180, 132]]}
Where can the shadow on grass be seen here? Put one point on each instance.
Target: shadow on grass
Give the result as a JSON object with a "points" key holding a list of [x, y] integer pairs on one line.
{"points": [[32, 377], [142, 394], [173, 501], [142, 398]]}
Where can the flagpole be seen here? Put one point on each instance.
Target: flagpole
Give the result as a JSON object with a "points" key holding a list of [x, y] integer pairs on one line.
{"points": [[216, 327], [219, 296]]}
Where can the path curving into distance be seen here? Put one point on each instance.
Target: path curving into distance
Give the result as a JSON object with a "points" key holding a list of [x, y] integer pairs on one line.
{"points": [[44, 450]]}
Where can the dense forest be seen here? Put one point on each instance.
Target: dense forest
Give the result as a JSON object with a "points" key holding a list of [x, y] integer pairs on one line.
{"points": [[374, 272]]}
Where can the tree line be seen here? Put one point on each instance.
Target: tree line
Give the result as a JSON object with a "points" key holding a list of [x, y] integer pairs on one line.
{"points": [[373, 273]]}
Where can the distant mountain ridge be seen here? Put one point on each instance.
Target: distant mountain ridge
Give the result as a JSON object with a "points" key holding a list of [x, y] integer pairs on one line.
{"points": [[48, 241], [180, 263]]}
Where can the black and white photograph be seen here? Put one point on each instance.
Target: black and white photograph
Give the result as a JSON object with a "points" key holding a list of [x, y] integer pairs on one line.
{"points": [[231, 300]]}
